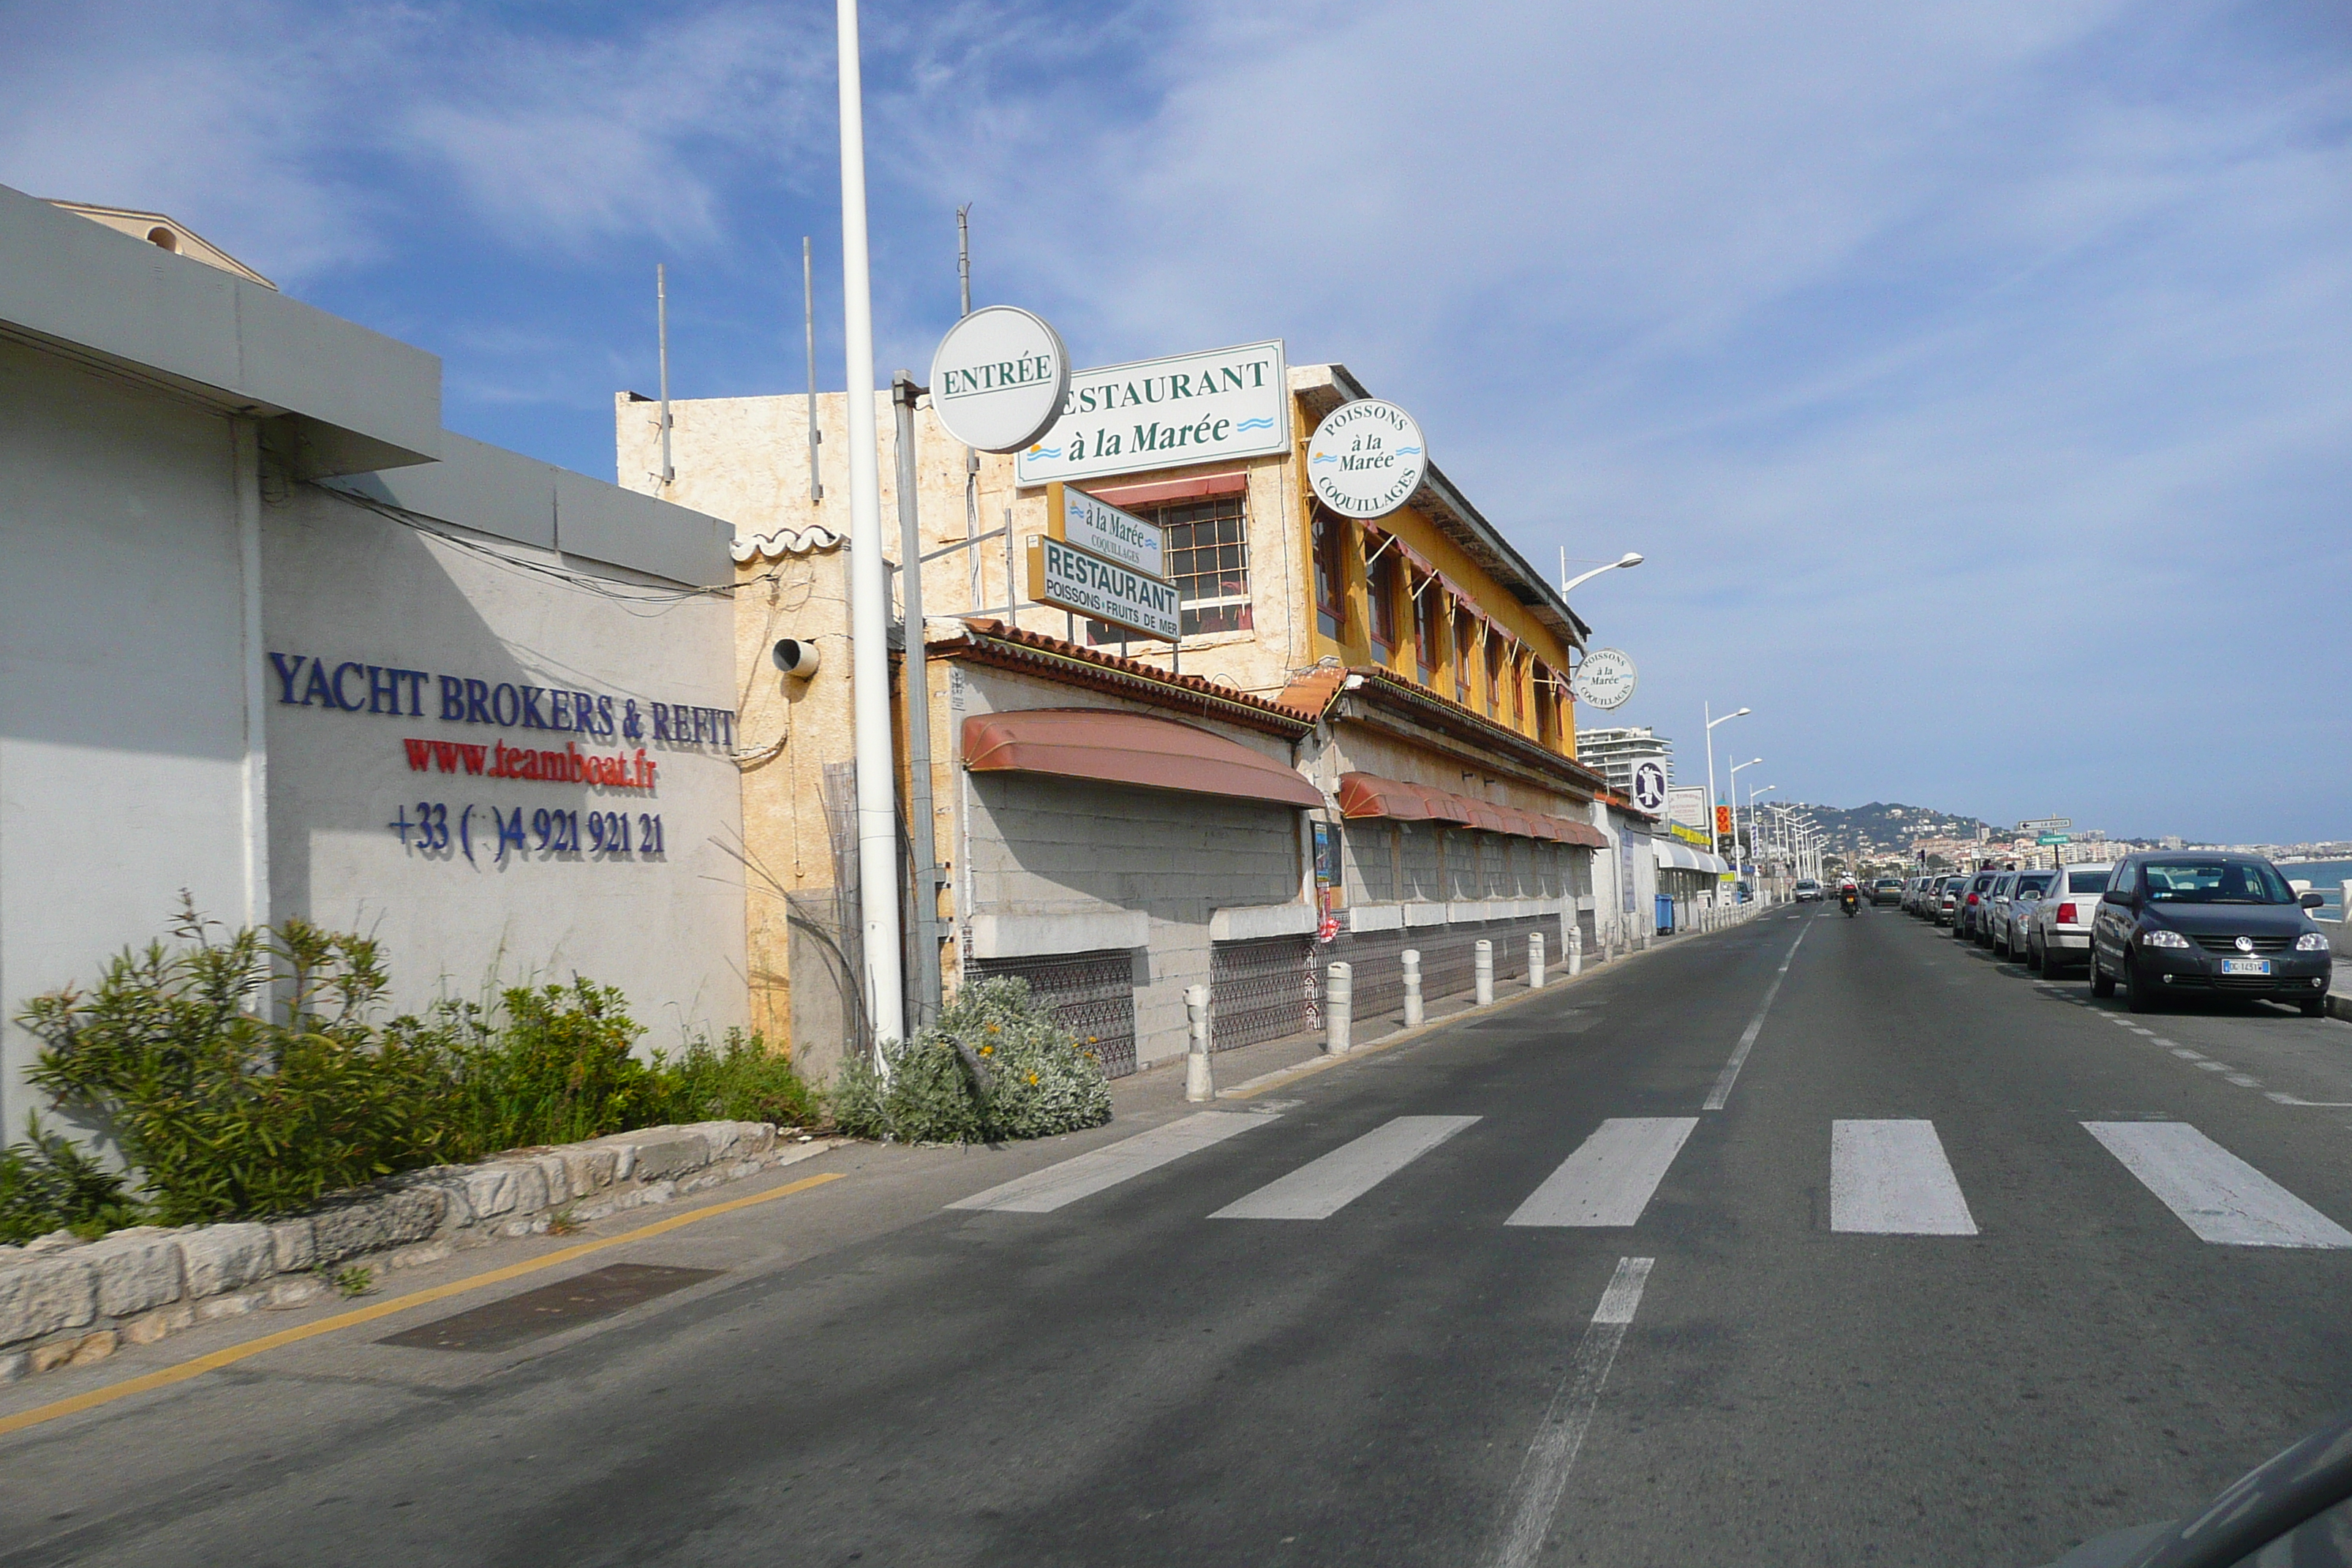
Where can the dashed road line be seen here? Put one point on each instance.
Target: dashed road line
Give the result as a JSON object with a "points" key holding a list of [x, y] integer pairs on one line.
{"points": [[1730, 1074], [1543, 1474]]}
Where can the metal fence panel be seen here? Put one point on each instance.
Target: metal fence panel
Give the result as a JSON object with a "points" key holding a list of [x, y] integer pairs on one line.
{"points": [[1263, 989], [1092, 994]]}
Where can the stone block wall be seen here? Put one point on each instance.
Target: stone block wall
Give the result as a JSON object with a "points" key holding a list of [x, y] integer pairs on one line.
{"points": [[65, 1302]]}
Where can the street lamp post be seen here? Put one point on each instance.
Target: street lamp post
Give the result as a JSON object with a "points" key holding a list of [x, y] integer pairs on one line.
{"points": [[1628, 559], [1735, 810], [1706, 711]]}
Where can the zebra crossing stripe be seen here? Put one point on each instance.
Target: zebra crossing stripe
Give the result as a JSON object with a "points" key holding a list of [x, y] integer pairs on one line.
{"points": [[2213, 1192], [1610, 1177], [1321, 1189], [1891, 1178], [1083, 1176]]}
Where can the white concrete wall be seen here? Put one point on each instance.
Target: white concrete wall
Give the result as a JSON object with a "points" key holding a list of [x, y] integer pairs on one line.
{"points": [[348, 585], [122, 717]]}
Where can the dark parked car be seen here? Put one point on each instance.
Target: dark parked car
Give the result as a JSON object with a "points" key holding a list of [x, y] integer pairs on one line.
{"points": [[1887, 890], [1971, 907], [2183, 921]]}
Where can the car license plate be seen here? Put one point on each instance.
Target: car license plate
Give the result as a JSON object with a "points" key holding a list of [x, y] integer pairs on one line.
{"points": [[2245, 966]]}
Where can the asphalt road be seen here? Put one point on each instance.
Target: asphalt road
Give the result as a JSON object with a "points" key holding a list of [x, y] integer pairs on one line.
{"points": [[1797, 1329]]}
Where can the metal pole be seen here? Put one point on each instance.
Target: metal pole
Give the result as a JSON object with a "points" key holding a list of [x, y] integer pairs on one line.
{"points": [[1011, 593], [970, 458], [916, 681], [1706, 712], [661, 334], [869, 587], [808, 312]]}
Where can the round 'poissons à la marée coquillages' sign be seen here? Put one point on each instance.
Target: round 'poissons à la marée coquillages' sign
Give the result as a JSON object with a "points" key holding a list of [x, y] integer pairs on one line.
{"points": [[1367, 459], [999, 378], [1605, 680]]}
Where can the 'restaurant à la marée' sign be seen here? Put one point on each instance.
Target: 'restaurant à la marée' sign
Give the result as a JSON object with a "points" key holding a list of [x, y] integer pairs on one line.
{"points": [[1165, 414]]}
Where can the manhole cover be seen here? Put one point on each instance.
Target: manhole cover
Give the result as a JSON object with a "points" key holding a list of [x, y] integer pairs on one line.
{"points": [[550, 1308]]}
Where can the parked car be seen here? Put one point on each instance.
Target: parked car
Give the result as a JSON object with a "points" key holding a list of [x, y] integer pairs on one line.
{"points": [[2014, 909], [2182, 922], [1887, 890], [1996, 895], [1945, 899], [1808, 890], [2058, 933], [1972, 895]]}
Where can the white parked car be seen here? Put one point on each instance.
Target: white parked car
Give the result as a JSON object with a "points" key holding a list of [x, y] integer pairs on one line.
{"points": [[2058, 933], [2013, 911]]}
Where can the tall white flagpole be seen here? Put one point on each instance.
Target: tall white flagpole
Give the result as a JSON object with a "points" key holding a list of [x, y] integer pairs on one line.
{"points": [[869, 587]]}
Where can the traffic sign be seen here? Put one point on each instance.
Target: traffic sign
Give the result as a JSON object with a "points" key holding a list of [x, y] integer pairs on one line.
{"points": [[2055, 838], [2045, 824]]}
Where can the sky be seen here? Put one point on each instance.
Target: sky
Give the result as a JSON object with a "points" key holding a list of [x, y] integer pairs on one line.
{"points": [[1976, 380]]}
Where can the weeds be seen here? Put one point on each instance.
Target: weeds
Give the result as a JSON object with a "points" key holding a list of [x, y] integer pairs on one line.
{"points": [[564, 1221], [995, 1066]]}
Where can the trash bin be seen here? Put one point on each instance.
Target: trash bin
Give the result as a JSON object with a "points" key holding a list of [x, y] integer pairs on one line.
{"points": [[1665, 915]]}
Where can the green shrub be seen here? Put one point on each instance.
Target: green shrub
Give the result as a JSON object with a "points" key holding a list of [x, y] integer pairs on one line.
{"points": [[738, 1080], [229, 1105], [47, 1184], [995, 1066], [224, 1113]]}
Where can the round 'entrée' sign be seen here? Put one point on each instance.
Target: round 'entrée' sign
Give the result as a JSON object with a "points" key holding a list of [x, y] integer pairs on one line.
{"points": [[1605, 679], [999, 379], [1367, 459]]}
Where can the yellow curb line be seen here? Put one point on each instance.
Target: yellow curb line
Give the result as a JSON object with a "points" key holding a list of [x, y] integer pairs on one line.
{"points": [[214, 1361]]}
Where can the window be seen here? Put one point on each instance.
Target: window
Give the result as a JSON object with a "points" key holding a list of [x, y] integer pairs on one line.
{"points": [[1494, 677], [1207, 544], [1518, 697], [1547, 713], [1380, 591], [1331, 575], [1465, 653], [1207, 560], [1427, 627]]}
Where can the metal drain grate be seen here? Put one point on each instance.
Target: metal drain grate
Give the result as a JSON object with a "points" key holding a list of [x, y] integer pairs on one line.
{"points": [[550, 1308]]}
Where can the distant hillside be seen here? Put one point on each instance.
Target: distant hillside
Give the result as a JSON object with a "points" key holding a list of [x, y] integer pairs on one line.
{"points": [[1887, 827]]}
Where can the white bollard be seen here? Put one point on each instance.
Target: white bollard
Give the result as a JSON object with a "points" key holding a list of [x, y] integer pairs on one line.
{"points": [[1412, 1014], [1575, 950], [1200, 1077], [1485, 966], [1535, 961], [1338, 1009]]}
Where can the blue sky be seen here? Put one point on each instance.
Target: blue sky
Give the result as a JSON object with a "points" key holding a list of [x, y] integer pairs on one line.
{"points": [[1974, 377]]}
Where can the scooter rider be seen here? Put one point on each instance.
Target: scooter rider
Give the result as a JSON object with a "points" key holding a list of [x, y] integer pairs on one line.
{"points": [[1849, 899]]}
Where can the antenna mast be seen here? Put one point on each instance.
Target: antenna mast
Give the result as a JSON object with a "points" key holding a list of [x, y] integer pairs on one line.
{"points": [[661, 331], [808, 310]]}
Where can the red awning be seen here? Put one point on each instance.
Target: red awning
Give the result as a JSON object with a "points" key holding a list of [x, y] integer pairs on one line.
{"points": [[1582, 834], [1483, 815], [1112, 747], [1367, 794], [1521, 824], [1445, 808], [1166, 490]]}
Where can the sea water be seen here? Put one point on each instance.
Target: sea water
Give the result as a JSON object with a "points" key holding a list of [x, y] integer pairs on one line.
{"points": [[2327, 878]]}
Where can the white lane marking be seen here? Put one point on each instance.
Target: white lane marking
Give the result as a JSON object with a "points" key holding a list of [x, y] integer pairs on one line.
{"points": [[1083, 1176], [2160, 1041], [2186, 1055], [1610, 1177], [1891, 1178], [2135, 1029], [1321, 1189], [1543, 1474], [2245, 1081], [2210, 1065], [1730, 1074], [2215, 1193]]}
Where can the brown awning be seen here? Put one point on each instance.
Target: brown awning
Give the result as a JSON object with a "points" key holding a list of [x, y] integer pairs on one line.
{"points": [[1113, 747], [1519, 823], [1445, 808], [1367, 794]]}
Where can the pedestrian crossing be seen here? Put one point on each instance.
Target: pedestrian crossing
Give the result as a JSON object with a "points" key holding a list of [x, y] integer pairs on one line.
{"points": [[1887, 1177]]}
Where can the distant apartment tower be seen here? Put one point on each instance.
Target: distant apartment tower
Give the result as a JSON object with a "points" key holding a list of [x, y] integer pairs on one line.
{"points": [[1614, 754]]}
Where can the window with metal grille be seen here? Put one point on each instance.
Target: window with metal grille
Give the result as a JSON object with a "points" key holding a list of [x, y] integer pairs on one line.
{"points": [[1207, 554]]}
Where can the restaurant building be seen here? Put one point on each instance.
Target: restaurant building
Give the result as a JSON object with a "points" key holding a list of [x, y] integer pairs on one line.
{"points": [[1364, 743]]}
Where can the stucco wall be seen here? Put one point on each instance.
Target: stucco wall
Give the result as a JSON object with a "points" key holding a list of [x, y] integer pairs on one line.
{"points": [[345, 584], [122, 713]]}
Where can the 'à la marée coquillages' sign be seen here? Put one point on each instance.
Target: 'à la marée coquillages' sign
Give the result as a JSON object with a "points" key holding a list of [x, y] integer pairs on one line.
{"points": [[1165, 414], [1367, 459], [1071, 579], [1076, 518]]}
